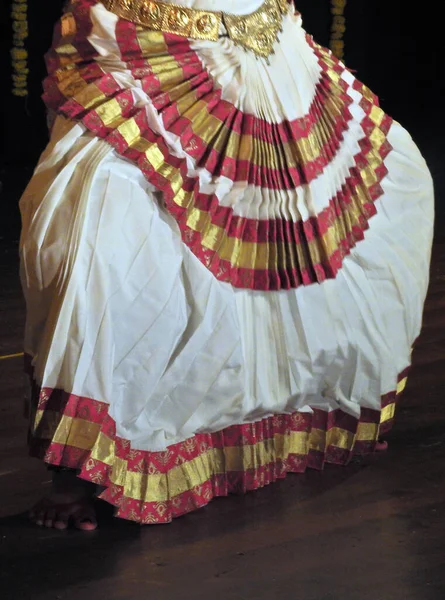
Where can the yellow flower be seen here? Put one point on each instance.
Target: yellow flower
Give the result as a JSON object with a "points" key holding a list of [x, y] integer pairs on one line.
{"points": [[19, 8], [19, 54], [20, 84], [20, 26], [18, 16], [19, 78], [19, 92], [19, 37], [19, 64]]}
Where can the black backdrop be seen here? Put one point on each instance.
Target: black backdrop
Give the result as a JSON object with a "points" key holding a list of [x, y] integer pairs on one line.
{"points": [[394, 51]]}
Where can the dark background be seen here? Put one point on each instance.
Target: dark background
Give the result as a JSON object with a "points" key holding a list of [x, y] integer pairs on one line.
{"points": [[394, 50]]}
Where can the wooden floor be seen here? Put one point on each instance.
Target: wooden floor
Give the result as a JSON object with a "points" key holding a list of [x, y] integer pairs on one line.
{"points": [[374, 530]]}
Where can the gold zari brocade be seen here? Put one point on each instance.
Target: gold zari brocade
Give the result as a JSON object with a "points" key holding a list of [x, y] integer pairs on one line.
{"points": [[83, 435], [257, 31]]}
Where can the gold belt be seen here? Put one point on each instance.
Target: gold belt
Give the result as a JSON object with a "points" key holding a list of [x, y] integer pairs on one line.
{"points": [[257, 32]]}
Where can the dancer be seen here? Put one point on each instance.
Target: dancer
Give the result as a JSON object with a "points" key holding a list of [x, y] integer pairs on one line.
{"points": [[225, 255]]}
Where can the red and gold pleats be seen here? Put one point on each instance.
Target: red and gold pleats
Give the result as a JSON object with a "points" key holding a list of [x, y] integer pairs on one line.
{"points": [[280, 158]]}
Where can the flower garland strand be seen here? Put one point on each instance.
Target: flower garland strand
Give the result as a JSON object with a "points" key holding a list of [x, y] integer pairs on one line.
{"points": [[19, 55], [338, 27]]}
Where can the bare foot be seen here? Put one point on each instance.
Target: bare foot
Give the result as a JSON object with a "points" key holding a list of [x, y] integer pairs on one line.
{"points": [[70, 501], [381, 446]]}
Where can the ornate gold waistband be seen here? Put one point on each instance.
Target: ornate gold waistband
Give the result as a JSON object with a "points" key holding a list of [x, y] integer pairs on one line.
{"points": [[257, 32]]}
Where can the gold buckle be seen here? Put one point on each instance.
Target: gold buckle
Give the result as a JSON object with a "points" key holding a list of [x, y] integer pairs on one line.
{"points": [[259, 30]]}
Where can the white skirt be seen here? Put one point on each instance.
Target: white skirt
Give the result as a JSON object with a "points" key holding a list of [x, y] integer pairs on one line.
{"points": [[121, 311]]}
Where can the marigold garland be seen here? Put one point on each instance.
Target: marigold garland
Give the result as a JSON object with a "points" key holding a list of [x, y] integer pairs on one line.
{"points": [[19, 55], [338, 27]]}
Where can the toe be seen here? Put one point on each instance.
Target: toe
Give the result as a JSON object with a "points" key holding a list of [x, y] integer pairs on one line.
{"points": [[50, 516], [381, 446], [40, 517], [37, 510], [86, 525], [61, 521], [85, 519], [50, 513]]}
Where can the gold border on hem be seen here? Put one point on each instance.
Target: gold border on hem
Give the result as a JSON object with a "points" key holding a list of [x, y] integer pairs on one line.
{"points": [[84, 435]]}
